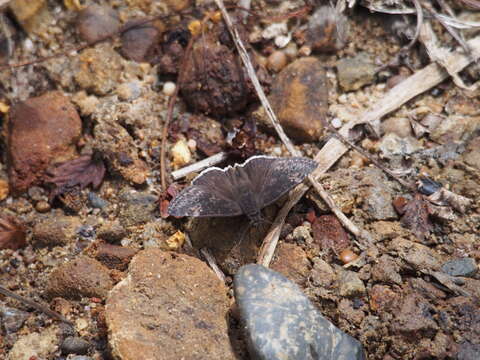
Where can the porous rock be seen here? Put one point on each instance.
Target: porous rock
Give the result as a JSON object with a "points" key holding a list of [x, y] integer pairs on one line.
{"points": [[353, 73], [80, 277], [40, 131], [36, 345], [55, 230], [170, 306], [292, 262], [299, 97]]}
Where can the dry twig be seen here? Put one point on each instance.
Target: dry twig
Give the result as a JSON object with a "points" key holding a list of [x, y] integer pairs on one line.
{"points": [[199, 165]]}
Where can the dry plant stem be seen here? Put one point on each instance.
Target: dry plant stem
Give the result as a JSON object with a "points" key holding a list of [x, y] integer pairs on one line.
{"points": [[253, 77], [171, 105], [213, 264], [416, 84], [419, 10], [33, 304], [349, 225], [200, 165]]}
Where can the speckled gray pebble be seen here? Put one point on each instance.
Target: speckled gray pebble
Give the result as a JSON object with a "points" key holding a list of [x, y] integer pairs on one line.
{"points": [[282, 324], [75, 345], [460, 267], [96, 201]]}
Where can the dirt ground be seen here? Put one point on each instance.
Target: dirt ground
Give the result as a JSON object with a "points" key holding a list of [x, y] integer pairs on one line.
{"points": [[411, 292]]}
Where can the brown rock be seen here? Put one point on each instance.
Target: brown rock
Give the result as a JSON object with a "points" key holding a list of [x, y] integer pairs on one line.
{"points": [[141, 43], [97, 21], [382, 298], [386, 270], [350, 284], [99, 69], [4, 189], [111, 231], [40, 131], [328, 232], [81, 277], [416, 256], [113, 256], [322, 274], [171, 306], [12, 233], [350, 313], [55, 230], [33, 15], [299, 98], [292, 262]]}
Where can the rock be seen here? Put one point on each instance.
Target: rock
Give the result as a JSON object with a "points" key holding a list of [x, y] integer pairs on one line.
{"points": [[277, 61], [386, 270], [382, 298], [460, 267], [392, 144], [416, 256], [32, 15], [455, 128], [75, 345], [99, 69], [13, 233], [137, 207], [350, 285], [327, 30], [36, 345], [281, 323], [468, 351], [353, 73], [472, 154], [322, 274], [96, 22], [129, 91], [113, 256], [96, 201], [12, 319], [328, 232], [111, 231], [81, 277], [171, 306], [302, 234], [292, 262], [350, 312], [299, 97], [414, 320], [55, 230], [4, 189], [141, 43], [181, 155], [120, 151], [41, 131], [398, 126]]}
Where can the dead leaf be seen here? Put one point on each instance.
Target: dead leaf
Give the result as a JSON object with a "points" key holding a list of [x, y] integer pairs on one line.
{"points": [[82, 171], [416, 217], [12, 234]]}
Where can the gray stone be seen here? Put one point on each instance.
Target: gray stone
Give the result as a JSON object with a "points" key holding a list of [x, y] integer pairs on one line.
{"points": [[350, 284], [12, 319], [356, 72], [392, 144], [138, 207], [75, 345], [460, 267], [96, 201], [281, 323]]}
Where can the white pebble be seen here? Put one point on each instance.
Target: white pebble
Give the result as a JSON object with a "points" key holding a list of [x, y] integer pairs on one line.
{"points": [[336, 123], [181, 154], [282, 40], [169, 88], [192, 145]]}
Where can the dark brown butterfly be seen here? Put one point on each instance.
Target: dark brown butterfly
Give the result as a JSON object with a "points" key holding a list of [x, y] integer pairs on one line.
{"points": [[242, 189]]}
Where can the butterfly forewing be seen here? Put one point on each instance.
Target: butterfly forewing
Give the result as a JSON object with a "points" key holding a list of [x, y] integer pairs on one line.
{"points": [[201, 200], [279, 175]]}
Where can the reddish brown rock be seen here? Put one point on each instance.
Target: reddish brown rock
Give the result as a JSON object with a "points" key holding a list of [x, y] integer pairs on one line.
{"points": [[40, 131], [382, 298], [12, 234], [299, 98], [81, 277], [113, 256], [328, 232], [171, 306], [292, 262], [55, 230]]}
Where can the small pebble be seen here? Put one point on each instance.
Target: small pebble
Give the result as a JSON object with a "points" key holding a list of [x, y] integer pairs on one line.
{"points": [[277, 61], [75, 345], [347, 256], [169, 88], [42, 206], [181, 154], [192, 145], [96, 21], [291, 51], [96, 201], [3, 189], [336, 123], [460, 267]]}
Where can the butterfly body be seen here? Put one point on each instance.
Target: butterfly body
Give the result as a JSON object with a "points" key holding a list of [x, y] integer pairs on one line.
{"points": [[242, 189]]}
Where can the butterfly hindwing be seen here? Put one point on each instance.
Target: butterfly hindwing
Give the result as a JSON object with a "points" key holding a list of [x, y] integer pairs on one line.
{"points": [[201, 200], [278, 175]]}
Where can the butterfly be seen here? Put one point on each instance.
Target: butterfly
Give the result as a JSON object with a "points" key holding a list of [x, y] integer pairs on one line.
{"points": [[242, 189]]}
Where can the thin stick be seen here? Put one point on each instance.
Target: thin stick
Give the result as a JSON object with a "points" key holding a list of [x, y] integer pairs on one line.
{"points": [[171, 105], [35, 305], [334, 149], [199, 165], [253, 77], [349, 225], [213, 264]]}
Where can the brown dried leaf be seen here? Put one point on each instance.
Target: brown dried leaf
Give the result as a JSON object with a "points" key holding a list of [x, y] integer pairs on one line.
{"points": [[12, 234], [416, 217], [243, 143], [82, 171]]}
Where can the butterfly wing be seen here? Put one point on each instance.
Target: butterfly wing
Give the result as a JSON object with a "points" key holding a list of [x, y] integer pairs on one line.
{"points": [[209, 195], [274, 177]]}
